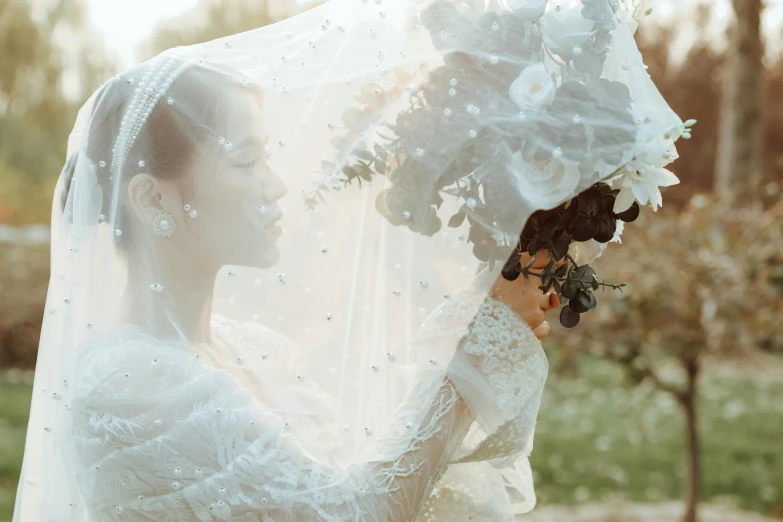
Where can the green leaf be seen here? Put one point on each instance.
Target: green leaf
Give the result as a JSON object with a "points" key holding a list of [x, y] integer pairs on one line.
{"points": [[381, 166], [350, 172], [457, 219], [379, 150], [363, 154], [365, 172]]}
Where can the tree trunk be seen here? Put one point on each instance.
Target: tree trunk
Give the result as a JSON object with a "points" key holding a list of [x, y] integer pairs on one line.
{"points": [[740, 132], [688, 403]]}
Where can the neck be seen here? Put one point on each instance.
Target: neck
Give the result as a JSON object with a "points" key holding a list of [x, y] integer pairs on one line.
{"points": [[182, 309]]}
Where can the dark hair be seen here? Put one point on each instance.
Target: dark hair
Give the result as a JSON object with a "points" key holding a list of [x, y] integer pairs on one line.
{"points": [[165, 142]]}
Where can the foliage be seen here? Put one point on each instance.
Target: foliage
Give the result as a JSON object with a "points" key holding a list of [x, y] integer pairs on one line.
{"points": [[472, 131], [35, 116], [598, 441], [24, 276], [713, 284]]}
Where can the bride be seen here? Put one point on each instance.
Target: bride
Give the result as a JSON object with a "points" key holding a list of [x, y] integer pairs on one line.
{"points": [[171, 416], [217, 347]]}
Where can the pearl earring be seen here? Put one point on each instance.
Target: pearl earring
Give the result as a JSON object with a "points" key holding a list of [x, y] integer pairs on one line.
{"points": [[164, 224]]}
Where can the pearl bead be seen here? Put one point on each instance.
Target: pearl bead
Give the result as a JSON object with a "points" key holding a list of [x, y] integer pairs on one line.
{"points": [[193, 213], [493, 59], [420, 152], [557, 153], [367, 431], [495, 26], [396, 292], [142, 163], [117, 232], [232, 273], [102, 164], [170, 101], [447, 111], [577, 50], [406, 215], [157, 287], [472, 203], [472, 109], [281, 143], [324, 250], [391, 356], [472, 133], [282, 278], [577, 119], [120, 510], [452, 92]]}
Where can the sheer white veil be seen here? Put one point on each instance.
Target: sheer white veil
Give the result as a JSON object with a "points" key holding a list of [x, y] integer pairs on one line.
{"points": [[249, 139]]}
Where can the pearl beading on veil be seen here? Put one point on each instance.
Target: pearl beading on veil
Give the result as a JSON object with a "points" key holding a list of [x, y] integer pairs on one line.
{"points": [[153, 86]]}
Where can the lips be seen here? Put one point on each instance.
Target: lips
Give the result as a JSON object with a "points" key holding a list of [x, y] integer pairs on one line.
{"points": [[273, 228]]}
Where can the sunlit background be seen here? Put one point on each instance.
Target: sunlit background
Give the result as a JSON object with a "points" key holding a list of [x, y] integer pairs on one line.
{"points": [[664, 403]]}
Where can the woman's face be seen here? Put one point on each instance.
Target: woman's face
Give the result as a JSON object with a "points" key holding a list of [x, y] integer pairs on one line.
{"points": [[234, 192]]}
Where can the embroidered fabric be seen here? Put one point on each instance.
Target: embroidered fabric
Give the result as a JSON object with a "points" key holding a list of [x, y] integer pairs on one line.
{"points": [[190, 442]]}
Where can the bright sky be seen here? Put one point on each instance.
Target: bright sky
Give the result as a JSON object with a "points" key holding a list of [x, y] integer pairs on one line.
{"points": [[125, 24]]}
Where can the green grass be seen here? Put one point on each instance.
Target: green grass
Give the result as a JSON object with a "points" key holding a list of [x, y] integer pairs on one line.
{"points": [[15, 394], [596, 440]]}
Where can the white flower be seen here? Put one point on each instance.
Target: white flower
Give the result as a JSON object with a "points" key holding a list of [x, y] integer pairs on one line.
{"points": [[545, 184], [564, 28], [618, 232], [528, 9], [644, 174], [534, 88], [585, 252], [643, 186]]}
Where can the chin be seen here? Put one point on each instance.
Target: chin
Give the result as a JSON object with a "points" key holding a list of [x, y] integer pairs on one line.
{"points": [[269, 258]]}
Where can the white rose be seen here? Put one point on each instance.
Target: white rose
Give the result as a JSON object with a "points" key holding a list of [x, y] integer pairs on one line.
{"points": [[528, 9], [565, 28], [534, 88], [545, 184]]}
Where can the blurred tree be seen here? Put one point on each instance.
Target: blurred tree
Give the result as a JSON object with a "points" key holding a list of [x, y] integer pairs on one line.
{"points": [[209, 20], [713, 286], [741, 124], [35, 115]]}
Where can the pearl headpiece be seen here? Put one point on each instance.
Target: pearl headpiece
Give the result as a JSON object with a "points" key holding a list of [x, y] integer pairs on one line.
{"points": [[153, 86]]}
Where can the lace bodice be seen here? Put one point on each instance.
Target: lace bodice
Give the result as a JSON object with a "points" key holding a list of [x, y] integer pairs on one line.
{"points": [[191, 442]]}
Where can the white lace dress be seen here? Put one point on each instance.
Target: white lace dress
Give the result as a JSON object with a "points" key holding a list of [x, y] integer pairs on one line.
{"points": [[161, 434]]}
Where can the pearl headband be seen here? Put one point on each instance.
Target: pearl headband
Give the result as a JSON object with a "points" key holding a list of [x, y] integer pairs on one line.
{"points": [[153, 86]]}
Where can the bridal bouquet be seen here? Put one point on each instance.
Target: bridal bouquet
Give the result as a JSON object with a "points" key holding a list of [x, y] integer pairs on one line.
{"points": [[531, 120]]}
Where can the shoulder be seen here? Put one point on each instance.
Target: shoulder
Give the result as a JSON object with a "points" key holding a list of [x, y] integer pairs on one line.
{"points": [[129, 363]]}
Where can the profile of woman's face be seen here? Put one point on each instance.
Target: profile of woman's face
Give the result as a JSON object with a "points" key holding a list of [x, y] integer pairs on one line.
{"points": [[234, 192]]}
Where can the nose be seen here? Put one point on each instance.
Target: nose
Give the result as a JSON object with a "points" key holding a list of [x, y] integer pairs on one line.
{"points": [[273, 186]]}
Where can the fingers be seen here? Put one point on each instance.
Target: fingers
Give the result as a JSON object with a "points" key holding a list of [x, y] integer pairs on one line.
{"points": [[549, 301], [541, 261], [535, 318], [542, 330]]}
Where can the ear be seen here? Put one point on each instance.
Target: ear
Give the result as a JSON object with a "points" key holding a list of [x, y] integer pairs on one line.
{"points": [[149, 195]]}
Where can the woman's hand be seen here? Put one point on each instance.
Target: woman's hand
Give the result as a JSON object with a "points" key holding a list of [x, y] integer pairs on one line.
{"points": [[530, 304]]}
